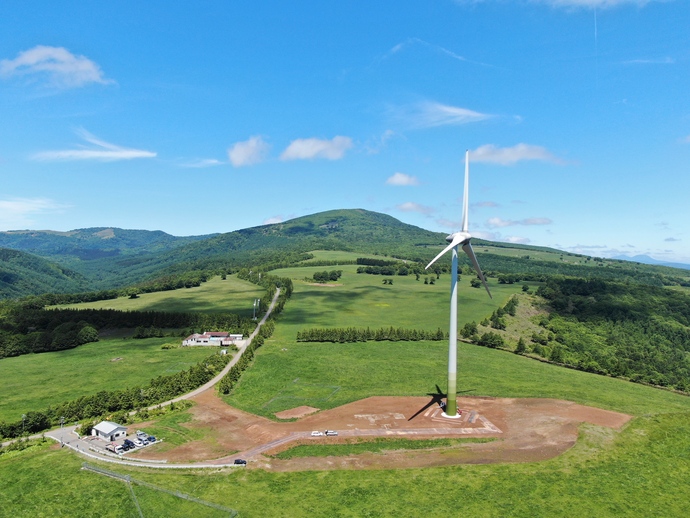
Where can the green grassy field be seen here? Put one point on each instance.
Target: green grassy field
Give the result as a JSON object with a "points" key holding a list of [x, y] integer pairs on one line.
{"points": [[35, 381], [287, 374], [362, 300], [216, 295], [537, 255], [643, 471], [379, 445]]}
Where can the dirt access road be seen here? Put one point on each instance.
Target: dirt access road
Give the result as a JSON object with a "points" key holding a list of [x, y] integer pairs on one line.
{"points": [[524, 430]]}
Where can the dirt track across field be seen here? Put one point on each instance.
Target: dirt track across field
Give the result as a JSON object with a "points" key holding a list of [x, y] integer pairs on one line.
{"points": [[524, 430]]}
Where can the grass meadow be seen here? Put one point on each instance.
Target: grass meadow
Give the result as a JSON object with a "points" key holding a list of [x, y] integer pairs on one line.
{"points": [[35, 381], [231, 295], [642, 471], [287, 374]]}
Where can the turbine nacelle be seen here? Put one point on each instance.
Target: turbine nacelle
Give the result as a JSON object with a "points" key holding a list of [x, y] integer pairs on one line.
{"points": [[463, 238]]}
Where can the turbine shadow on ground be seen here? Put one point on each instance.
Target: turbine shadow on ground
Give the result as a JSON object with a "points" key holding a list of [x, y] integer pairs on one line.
{"points": [[437, 398]]}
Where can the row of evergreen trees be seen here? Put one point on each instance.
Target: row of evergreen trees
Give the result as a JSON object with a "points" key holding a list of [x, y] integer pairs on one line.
{"points": [[105, 403], [353, 334]]}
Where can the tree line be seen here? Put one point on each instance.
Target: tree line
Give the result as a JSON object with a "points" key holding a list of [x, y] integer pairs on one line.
{"points": [[353, 334], [24, 331], [641, 333], [110, 403]]}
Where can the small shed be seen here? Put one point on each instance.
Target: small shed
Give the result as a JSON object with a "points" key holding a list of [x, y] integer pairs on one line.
{"points": [[109, 431]]}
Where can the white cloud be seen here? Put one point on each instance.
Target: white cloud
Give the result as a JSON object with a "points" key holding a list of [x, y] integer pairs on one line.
{"points": [[660, 61], [17, 213], [411, 206], [499, 222], [571, 4], [429, 114], [248, 152], [62, 68], [517, 240], [485, 204], [103, 151], [593, 4], [449, 223], [671, 239], [511, 155], [273, 220], [402, 179], [436, 48], [376, 144], [203, 162], [310, 148]]}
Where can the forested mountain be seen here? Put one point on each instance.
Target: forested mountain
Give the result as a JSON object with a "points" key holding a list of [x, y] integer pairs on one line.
{"points": [[22, 274], [113, 258], [87, 244]]}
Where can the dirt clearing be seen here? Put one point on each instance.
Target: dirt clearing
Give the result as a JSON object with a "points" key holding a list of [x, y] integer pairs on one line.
{"points": [[525, 430]]}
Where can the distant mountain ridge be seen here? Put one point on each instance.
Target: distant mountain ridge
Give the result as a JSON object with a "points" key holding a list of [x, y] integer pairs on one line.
{"points": [[102, 258], [645, 259], [92, 243]]}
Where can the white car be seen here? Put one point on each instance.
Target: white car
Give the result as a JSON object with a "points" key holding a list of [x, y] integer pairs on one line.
{"points": [[137, 442], [316, 433]]}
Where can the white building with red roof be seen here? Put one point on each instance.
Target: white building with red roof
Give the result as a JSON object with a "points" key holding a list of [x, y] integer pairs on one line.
{"points": [[212, 338]]}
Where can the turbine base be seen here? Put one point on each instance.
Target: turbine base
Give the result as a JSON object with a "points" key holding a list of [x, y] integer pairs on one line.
{"points": [[456, 416]]}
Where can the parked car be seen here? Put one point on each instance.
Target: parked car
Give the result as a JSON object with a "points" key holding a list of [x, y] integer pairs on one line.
{"points": [[331, 432], [128, 443], [151, 438], [119, 449], [240, 462], [141, 433], [316, 433], [138, 442]]}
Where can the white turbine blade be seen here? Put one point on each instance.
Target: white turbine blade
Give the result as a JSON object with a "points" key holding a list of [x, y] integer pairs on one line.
{"points": [[456, 241], [466, 193], [467, 248]]}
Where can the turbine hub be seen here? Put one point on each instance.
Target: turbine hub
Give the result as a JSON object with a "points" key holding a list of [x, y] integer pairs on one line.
{"points": [[459, 237]]}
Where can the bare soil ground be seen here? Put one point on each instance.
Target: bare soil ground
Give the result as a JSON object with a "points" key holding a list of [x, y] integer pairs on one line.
{"points": [[296, 413], [525, 430]]}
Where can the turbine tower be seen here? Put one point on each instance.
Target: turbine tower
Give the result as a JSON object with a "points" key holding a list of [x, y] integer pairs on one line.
{"points": [[457, 239]]}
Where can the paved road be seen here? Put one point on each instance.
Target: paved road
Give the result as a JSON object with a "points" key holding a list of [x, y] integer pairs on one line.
{"points": [[230, 364]]}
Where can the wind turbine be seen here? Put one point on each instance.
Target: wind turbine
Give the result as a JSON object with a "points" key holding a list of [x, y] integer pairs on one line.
{"points": [[457, 239]]}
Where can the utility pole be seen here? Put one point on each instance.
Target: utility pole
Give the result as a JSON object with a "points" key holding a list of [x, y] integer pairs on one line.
{"points": [[257, 304]]}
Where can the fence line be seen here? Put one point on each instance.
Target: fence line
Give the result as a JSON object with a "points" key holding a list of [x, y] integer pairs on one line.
{"points": [[179, 494]]}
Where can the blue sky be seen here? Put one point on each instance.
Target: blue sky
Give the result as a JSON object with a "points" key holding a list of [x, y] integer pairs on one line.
{"points": [[211, 116]]}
